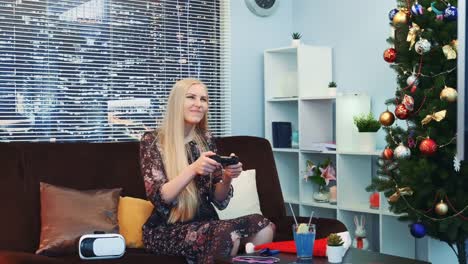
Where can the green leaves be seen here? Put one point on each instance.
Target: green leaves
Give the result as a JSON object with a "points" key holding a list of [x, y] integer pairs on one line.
{"points": [[366, 123], [296, 35]]}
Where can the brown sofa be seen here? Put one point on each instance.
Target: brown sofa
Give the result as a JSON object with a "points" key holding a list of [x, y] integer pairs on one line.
{"points": [[110, 165]]}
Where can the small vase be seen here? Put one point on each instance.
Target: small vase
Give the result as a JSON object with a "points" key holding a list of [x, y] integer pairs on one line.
{"points": [[332, 91], [295, 43], [321, 196], [335, 254]]}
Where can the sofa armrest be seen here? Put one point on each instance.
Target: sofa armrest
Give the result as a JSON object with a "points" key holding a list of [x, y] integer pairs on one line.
{"points": [[324, 226]]}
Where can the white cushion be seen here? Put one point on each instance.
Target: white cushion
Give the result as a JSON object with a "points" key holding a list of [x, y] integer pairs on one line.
{"points": [[245, 199]]}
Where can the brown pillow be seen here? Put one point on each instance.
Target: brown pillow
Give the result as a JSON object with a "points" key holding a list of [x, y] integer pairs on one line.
{"points": [[67, 214]]}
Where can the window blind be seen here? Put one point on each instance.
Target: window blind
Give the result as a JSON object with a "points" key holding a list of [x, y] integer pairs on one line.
{"points": [[101, 70]]}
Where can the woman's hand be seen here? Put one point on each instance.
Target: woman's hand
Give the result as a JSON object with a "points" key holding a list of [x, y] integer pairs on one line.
{"points": [[204, 164], [232, 171]]}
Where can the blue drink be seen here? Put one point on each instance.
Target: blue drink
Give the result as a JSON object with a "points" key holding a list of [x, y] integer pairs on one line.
{"points": [[304, 239]]}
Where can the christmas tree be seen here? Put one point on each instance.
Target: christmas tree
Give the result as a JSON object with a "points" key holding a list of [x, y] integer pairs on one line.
{"points": [[419, 172]]}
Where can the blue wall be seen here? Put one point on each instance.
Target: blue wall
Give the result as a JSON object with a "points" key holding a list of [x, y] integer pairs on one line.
{"points": [[357, 32], [251, 35]]}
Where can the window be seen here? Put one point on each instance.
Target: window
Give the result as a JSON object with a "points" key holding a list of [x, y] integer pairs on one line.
{"points": [[101, 70]]}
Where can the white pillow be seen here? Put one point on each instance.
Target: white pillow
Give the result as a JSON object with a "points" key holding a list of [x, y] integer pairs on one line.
{"points": [[245, 199]]}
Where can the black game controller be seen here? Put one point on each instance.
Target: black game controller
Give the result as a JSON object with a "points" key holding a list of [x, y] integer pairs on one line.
{"points": [[225, 160]]}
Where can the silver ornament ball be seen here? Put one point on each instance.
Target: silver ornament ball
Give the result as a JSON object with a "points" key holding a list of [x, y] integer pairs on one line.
{"points": [[422, 46], [402, 152], [412, 80]]}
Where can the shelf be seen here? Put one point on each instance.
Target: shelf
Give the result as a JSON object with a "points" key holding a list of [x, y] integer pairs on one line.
{"points": [[331, 152], [321, 205], [291, 201], [296, 91], [360, 208], [283, 50], [388, 213], [293, 150], [372, 153], [311, 98], [284, 99]]}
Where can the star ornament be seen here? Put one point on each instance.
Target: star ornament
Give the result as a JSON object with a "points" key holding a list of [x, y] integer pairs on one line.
{"points": [[328, 174]]}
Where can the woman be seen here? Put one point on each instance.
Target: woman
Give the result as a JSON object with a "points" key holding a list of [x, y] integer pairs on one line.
{"points": [[184, 183]]}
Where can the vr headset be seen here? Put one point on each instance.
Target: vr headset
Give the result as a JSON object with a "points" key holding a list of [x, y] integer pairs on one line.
{"points": [[101, 246]]}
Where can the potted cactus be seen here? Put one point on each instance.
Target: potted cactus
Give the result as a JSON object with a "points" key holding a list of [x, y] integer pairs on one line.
{"points": [[332, 89], [296, 39], [335, 249], [367, 126]]}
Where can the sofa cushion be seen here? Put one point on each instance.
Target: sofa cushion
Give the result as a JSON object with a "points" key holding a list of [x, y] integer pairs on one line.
{"points": [[256, 153], [66, 214], [132, 215], [245, 200]]}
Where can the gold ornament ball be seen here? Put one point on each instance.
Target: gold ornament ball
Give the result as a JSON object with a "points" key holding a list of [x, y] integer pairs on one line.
{"points": [[401, 17], [387, 118], [448, 94], [441, 208]]}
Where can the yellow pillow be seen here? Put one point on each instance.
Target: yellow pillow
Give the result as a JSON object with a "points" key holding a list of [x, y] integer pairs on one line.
{"points": [[132, 214]]}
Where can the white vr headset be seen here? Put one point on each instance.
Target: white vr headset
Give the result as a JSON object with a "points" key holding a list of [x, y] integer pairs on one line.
{"points": [[101, 246]]}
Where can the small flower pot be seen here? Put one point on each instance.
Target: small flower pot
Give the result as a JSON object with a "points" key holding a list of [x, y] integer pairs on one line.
{"points": [[332, 91], [367, 141], [335, 254], [295, 43]]}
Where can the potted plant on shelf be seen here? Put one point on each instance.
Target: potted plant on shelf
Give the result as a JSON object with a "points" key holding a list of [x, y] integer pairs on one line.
{"points": [[367, 126], [335, 249], [323, 174], [296, 39], [332, 88]]}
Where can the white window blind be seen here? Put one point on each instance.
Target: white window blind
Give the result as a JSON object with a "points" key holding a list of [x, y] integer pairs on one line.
{"points": [[101, 70]]}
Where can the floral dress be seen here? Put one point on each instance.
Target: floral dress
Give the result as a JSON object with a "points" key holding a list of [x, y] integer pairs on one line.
{"points": [[205, 236]]}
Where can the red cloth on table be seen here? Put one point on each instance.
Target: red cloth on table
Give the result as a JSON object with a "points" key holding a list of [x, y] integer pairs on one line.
{"points": [[320, 247]]}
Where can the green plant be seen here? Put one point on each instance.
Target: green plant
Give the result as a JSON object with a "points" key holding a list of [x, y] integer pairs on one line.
{"points": [[296, 35], [332, 85], [334, 240], [367, 123]]}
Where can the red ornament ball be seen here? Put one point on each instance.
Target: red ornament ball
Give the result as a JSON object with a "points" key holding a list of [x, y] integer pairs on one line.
{"points": [[387, 154], [428, 146], [390, 55], [401, 112]]}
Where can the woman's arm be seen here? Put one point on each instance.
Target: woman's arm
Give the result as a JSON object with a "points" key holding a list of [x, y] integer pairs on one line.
{"points": [[202, 166], [224, 186], [159, 189], [222, 189]]}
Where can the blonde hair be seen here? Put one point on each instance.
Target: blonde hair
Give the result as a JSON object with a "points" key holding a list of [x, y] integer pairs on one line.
{"points": [[175, 158]]}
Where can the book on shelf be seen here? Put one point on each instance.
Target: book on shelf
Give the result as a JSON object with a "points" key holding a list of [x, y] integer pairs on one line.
{"points": [[323, 146]]}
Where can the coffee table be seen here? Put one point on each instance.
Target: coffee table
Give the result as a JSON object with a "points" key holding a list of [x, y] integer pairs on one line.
{"points": [[353, 256]]}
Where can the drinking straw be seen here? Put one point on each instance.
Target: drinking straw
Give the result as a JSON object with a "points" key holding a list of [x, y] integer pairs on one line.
{"points": [[292, 211], [310, 219]]}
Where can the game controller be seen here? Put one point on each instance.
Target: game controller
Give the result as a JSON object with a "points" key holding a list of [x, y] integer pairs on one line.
{"points": [[225, 160]]}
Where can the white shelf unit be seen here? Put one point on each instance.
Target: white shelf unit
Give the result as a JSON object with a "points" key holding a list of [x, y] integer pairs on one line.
{"points": [[296, 82]]}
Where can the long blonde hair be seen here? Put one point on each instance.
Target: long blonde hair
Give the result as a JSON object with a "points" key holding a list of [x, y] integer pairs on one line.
{"points": [[171, 138]]}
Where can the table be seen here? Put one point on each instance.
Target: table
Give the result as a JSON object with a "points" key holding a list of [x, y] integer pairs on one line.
{"points": [[353, 256]]}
